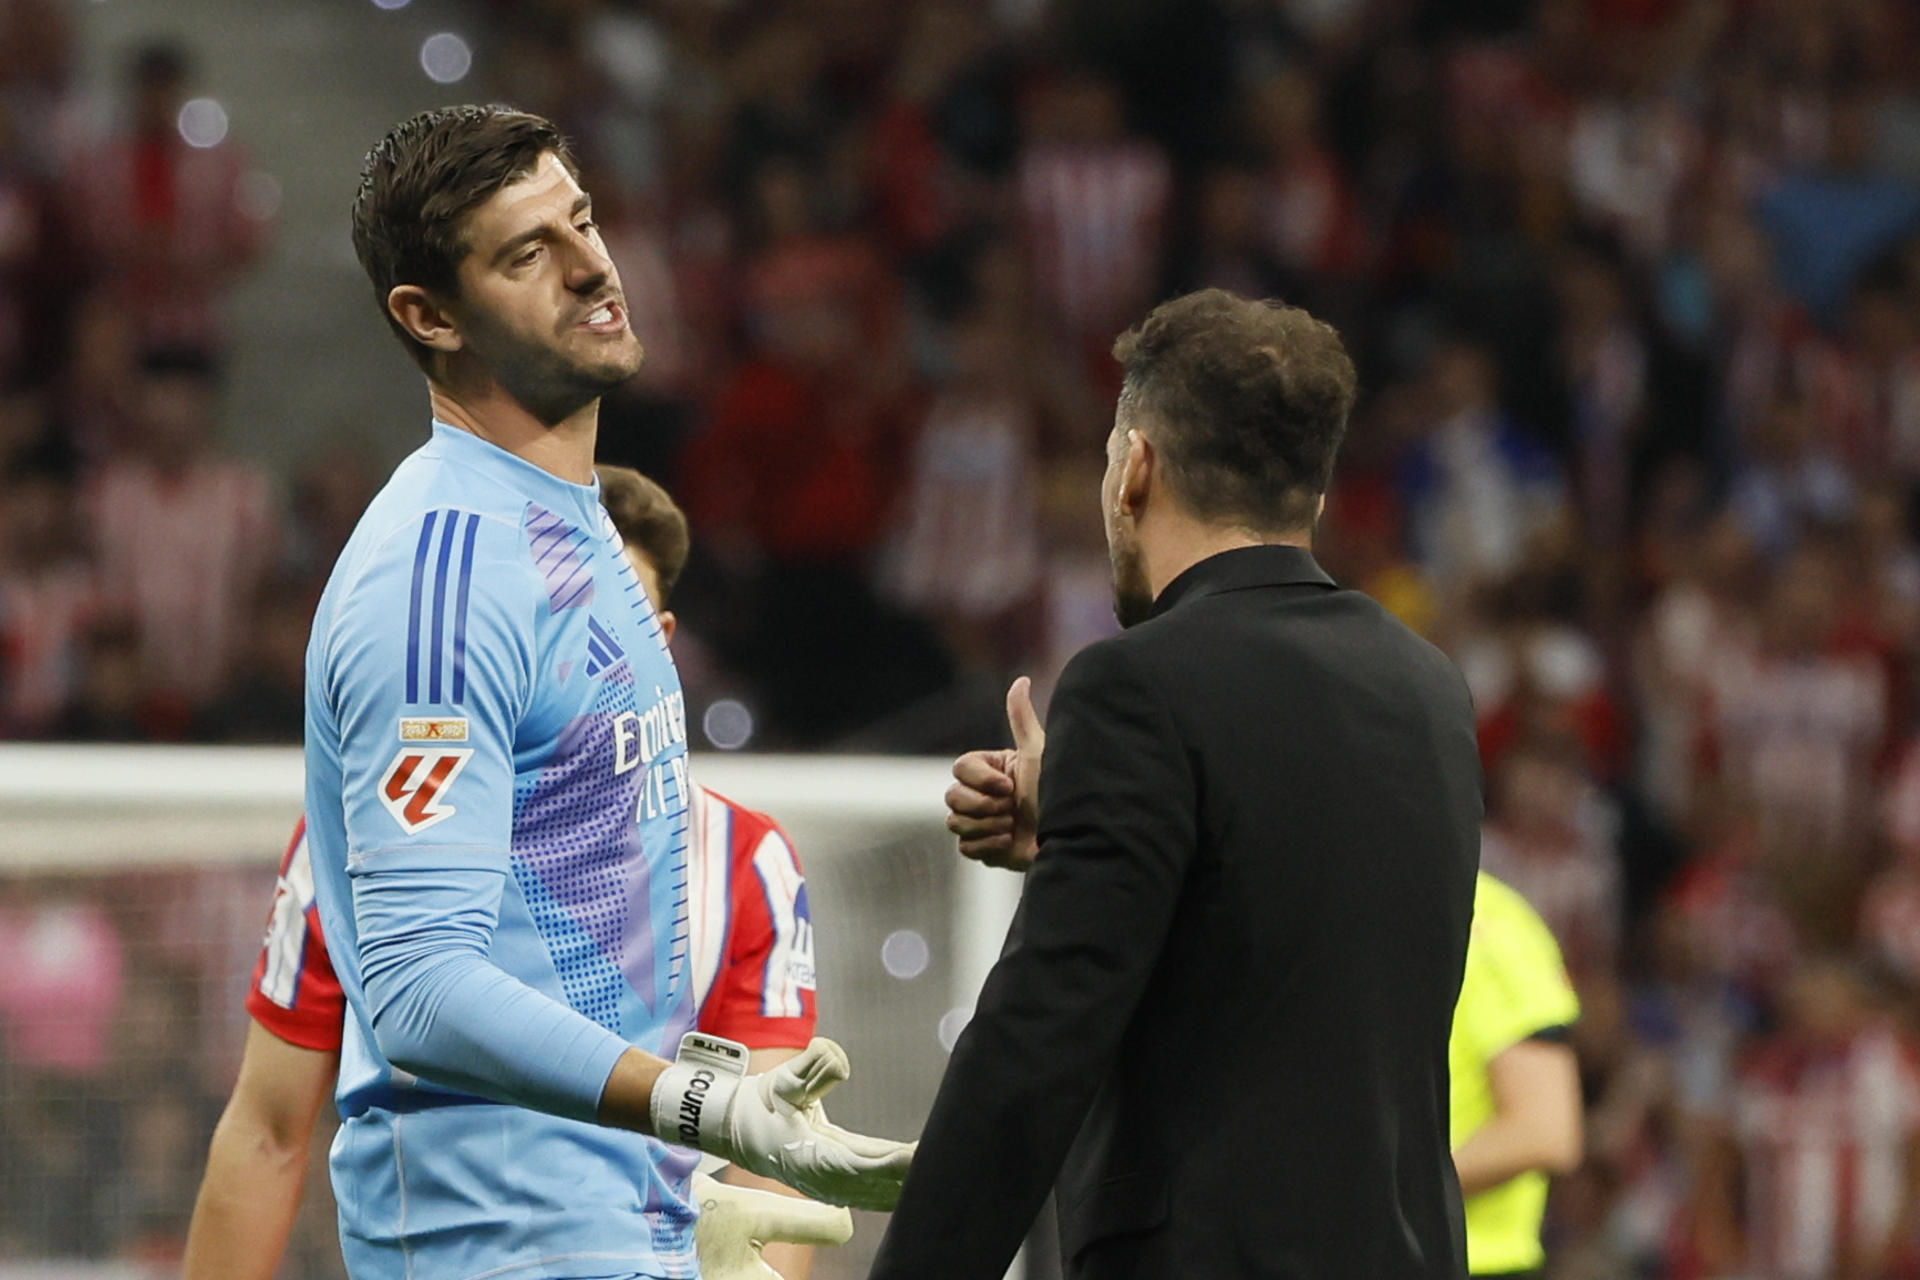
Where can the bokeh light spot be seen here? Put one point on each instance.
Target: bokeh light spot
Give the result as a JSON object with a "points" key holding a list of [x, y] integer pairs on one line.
{"points": [[203, 123], [905, 954], [728, 724], [446, 58]]}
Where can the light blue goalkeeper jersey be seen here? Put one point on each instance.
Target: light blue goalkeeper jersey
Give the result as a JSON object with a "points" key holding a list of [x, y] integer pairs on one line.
{"points": [[497, 809]]}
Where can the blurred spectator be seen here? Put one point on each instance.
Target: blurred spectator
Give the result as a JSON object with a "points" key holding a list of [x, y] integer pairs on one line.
{"points": [[37, 56], [47, 599], [35, 270], [1700, 620], [1230, 249], [1739, 936], [1311, 222], [1793, 479], [328, 496], [1869, 380], [1547, 836], [968, 550], [1362, 537], [1829, 219], [947, 129], [1890, 908], [95, 392], [1604, 362], [1823, 1132], [1095, 202], [164, 209], [183, 534], [114, 702], [1798, 731], [792, 485], [1477, 485], [265, 701]]}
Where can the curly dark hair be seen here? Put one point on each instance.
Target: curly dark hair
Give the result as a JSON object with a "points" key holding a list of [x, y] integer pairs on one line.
{"points": [[1246, 401]]}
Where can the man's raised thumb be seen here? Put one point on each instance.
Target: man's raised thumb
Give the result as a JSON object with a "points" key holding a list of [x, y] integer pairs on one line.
{"points": [[1028, 737]]}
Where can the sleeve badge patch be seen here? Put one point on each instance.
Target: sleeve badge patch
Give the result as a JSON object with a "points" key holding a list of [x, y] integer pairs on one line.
{"points": [[415, 785], [433, 729]]}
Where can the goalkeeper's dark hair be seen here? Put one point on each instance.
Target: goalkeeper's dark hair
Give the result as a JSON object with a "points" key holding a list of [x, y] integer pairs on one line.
{"points": [[649, 521], [420, 182], [1246, 403]]}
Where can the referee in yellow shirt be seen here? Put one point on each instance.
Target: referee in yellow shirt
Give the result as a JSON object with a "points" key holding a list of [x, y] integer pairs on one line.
{"points": [[1516, 1086]]}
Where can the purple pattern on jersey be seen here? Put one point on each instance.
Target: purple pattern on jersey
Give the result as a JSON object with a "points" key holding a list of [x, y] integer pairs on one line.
{"points": [[671, 1215], [574, 831], [555, 546]]}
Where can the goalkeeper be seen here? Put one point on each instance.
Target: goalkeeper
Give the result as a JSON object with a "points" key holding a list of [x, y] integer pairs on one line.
{"points": [[753, 976], [497, 792]]}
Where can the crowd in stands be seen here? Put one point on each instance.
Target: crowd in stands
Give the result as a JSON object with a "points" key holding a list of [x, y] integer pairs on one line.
{"points": [[1634, 289]]}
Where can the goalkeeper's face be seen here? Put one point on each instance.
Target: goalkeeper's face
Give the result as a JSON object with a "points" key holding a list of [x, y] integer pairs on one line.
{"points": [[540, 307]]}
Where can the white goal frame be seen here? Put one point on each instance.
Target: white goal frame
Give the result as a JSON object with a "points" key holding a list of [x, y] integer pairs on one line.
{"points": [[77, 808]]}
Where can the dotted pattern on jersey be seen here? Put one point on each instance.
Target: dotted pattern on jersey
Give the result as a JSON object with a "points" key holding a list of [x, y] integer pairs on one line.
{"points": [[591, 982], [577, 855], [681, 944], [559, 555], [675, 1216]]}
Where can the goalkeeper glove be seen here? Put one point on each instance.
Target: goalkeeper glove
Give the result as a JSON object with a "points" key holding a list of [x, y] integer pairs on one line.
{"points": [[737, 1222], [773, 1124]]}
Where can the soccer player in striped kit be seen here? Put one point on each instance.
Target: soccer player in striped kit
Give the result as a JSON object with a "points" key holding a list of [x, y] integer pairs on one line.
{"points": [[497, 789]]}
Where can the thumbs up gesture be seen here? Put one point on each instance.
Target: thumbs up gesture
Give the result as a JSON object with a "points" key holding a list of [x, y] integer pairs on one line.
{"points": [[993, 805]]}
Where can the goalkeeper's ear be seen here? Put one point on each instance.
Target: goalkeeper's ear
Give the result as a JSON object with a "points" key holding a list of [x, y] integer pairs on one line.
{"points": [[424, 318]]}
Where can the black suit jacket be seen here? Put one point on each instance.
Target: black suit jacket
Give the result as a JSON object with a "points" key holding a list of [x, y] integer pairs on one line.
{"points": [[1221, 1017]]}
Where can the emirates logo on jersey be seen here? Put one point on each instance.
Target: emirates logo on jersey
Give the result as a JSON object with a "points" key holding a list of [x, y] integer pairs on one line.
{"points": [[415, 786]]}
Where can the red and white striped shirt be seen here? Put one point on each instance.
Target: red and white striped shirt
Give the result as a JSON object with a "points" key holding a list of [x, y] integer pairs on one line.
{"points": [[183, 554], [1094, 216], [1824, 1134], [751, 938], [750, 925]]}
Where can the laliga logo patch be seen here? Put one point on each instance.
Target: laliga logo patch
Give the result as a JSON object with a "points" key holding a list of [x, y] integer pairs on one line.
{"points": [[416, 783]]}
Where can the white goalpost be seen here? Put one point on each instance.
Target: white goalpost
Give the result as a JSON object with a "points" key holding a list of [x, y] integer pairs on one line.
{"points": [[170, 845]]}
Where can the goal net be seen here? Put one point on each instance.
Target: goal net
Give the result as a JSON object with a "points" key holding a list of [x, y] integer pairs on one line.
{"points": [[134, 886]]}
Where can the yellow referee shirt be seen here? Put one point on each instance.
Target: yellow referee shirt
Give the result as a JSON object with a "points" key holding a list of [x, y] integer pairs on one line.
{"points": [[1515, 987]]}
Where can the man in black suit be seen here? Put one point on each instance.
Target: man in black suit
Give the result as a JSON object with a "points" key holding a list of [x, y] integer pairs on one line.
{"points": [[1221, 1016]]}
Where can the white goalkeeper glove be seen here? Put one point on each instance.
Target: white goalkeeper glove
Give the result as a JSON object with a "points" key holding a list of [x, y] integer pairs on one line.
{"points": [[773, 1124], [736, 1223]]}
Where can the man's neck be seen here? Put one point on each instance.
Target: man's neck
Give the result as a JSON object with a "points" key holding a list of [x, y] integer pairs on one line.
{"points": [[564, 448], [1184, 543]]}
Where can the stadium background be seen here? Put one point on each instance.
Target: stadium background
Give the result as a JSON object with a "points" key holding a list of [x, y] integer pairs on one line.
{"points": [[1634, 286]]}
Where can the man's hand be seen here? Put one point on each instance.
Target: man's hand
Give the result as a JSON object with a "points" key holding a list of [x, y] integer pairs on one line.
{"points": [[773, 1124], [736, 1223], [993, 805]]}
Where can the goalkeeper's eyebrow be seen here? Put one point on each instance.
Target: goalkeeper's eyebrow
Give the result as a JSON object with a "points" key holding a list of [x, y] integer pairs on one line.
{"points": [[581, 204]]}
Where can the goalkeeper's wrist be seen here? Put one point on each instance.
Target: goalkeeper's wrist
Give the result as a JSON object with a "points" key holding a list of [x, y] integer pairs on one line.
{"points": [[692, 1097]]}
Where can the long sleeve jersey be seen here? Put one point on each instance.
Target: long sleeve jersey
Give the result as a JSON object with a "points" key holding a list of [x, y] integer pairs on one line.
{"points": [[497, 801]]}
